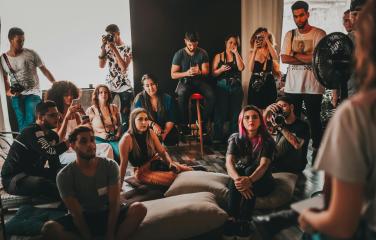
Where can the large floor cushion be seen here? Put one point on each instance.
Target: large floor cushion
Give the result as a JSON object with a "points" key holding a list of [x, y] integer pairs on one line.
{"points": [[180, 217], [282, 194], [199, 181]]}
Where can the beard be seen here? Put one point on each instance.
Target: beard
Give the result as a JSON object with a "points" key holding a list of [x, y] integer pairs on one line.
{"points": [[87, 156], [301, 26]]}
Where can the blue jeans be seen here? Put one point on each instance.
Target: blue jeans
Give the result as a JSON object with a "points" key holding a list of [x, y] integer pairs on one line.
{"points": [[228, 105], [24, 108]]}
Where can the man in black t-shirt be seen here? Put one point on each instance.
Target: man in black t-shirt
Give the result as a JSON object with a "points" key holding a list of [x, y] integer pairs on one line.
{"points": [[292, 137], [190, 66], [24, 171]]}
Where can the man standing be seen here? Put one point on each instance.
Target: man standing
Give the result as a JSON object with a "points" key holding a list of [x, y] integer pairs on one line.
{"points": [[301, 84], [90, 190], [119, 57], [190, 66], [292, 136], [21, 65], [346, 21], [23, 172]]}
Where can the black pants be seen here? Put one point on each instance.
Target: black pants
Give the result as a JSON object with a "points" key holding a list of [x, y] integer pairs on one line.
{"points": [[313, 106], [241, 208], [42, 185], [185, 89]]}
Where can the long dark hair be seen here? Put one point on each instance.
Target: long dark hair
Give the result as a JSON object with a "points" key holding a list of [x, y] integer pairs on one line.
{"points": [[262, 130], [144, 98], [132, 130], [58, 90], [94, 97]]}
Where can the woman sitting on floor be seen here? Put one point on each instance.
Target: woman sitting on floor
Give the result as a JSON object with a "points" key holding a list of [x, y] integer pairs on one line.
{"points": [[248, 158], [105, 119], [142, 148], [63, 93], [161, 109]]}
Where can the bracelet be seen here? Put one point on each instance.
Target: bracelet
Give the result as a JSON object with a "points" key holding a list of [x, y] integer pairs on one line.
{"points": [[102, 56]]}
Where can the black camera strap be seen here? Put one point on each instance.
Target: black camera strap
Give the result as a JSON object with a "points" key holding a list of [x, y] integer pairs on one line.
{"points": [[102, 119], [9, 66]]}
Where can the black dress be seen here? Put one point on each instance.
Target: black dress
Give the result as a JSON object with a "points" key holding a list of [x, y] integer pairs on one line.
{"points": [[268, 92]]}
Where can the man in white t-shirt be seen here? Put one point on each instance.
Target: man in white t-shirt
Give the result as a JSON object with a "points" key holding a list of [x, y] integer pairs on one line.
{"points": [[21, 65], [301, 84]]}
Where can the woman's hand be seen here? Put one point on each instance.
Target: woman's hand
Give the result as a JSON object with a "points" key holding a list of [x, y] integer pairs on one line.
{"points": [[72, 110], [156, 129], [243, 183], [224, 68]]}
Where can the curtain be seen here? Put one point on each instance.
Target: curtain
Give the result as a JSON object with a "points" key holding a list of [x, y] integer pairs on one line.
{"points": [[254, 14]]}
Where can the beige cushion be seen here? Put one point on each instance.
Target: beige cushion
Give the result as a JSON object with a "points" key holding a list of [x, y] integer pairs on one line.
{"points": [[199, 181], [180, 217], [282, 193]]}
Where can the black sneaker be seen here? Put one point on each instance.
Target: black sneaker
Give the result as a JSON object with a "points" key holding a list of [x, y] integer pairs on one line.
{"points": [[229, 230], [244, 231]]}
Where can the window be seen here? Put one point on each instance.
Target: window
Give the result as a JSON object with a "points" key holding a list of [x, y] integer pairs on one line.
{"points": [[66, 34]]}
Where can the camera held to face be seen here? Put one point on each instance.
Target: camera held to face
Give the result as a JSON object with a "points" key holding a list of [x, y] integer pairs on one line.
{"points": [[109, 37], [16, 88], [279, 117], [259, 41]]}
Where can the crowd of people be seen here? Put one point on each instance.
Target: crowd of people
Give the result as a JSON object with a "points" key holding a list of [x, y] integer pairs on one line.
{"points": [[88, 150]]}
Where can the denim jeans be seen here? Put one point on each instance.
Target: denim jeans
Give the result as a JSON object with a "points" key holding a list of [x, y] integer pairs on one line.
{"points": [[313, 106], [24, 108], [228, 104], [126, 99], [184, 90]]}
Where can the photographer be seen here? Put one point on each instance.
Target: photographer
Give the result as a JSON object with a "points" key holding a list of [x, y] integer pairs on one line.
{"points": [[227, 67], [119, 57], [262, 89], [21, 65], [292, 136]]}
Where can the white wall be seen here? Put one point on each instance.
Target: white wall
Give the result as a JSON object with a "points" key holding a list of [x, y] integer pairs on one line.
{"points": [[66, 34]]}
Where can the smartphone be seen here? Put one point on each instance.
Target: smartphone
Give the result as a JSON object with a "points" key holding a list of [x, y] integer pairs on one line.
{"points": [[76, 101]]}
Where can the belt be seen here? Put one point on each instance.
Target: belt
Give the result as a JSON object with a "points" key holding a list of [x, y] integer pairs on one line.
{"points": [[261, 74]]}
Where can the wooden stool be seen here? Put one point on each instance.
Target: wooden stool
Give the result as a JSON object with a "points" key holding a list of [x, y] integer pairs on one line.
{"points": [[198, 97]]}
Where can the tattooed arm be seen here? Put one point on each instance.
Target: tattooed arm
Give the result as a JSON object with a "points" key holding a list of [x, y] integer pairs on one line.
{"points": [[295, 141]]}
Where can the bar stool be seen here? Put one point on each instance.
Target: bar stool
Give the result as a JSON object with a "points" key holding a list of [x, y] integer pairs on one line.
{"points": [[197, 97]]}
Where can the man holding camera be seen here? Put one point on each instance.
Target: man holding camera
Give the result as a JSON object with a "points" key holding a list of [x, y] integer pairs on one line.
{"points": [[21, 65], [190, 66], [292, 136], [301, 84], [119, 57]]}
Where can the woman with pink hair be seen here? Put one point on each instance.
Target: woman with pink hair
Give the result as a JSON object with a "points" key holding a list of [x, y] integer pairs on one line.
{"points": [[248, 158]]}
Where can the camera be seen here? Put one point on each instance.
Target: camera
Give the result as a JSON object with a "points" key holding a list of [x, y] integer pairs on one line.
{"points": [[16, 88], [279, 117], [109, 37], [111, 136]]}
